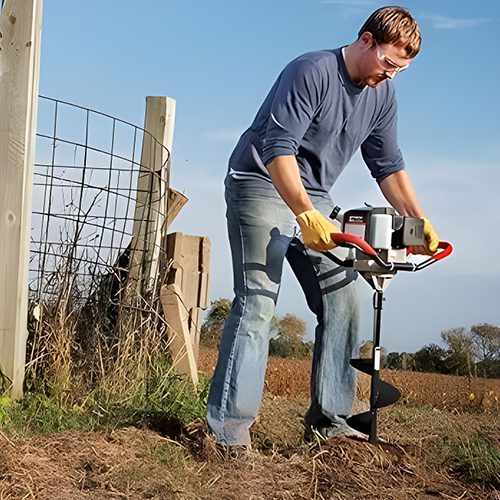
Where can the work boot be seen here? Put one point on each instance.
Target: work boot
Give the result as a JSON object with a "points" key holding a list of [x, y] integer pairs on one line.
{"points": [[325, 429], [237, 452]]}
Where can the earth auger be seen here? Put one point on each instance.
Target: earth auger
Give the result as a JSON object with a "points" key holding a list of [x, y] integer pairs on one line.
{"points": [[382, 242]]}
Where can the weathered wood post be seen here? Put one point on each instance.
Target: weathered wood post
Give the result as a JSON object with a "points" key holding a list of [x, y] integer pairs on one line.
{"points": [[156, 207], [152, 196], [20, 29]]}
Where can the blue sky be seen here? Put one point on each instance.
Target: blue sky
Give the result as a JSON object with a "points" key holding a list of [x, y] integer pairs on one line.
{"points": [[218, 60]]}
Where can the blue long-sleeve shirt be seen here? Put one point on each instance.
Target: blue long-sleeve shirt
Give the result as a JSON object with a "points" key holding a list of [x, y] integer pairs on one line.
{"points": [[316, 113]]}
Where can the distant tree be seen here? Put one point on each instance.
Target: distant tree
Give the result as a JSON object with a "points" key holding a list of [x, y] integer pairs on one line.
{"points": [[461, 351], [289, 341], [366, 352], [429, 358], [394, 361], [212, 327], [366, 349], [407, 362], [486, 338], [488, 368]]}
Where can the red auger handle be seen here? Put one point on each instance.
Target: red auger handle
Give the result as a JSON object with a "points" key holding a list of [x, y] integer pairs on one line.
{"points": [[341, 238], [446, 249], [355, 241]]}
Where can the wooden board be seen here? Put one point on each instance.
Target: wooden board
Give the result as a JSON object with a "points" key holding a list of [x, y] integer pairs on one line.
{"points": [[180, 345], [189, 261]]}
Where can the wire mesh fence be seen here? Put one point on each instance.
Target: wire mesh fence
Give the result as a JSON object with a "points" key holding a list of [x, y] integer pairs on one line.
{"points": [[87, 181], [97, 251]]}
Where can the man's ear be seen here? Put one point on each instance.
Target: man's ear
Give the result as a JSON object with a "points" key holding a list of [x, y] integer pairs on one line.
{"points": [[366, 39]]}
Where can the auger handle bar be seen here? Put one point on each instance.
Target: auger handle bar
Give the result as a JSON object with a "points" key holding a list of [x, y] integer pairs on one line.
{"points": [[353, 241]]}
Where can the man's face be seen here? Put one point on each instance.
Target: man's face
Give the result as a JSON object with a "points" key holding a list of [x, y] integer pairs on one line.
{"points": [[382, 62]]}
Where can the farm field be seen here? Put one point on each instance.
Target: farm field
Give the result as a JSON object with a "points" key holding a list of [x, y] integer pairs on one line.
{"points": [[165, 461], [290, 377]]}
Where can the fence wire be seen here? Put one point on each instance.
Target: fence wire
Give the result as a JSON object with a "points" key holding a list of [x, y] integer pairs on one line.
{"points": [[87, 177]]}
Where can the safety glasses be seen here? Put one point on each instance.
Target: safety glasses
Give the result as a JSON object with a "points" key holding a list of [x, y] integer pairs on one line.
{"points": [[389, 66]]}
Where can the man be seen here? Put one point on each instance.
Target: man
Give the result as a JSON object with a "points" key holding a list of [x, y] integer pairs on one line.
{"points": [[322, 108]]}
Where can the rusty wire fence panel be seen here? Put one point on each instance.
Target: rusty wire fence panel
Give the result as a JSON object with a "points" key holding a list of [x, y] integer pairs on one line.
{"points": [[84, 199]]}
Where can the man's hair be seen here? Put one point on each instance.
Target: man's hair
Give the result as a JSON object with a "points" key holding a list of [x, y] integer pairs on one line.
{"points": [[396, 26]]}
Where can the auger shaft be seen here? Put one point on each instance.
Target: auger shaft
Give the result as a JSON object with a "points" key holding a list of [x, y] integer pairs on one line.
{"points": [[378, 298]]}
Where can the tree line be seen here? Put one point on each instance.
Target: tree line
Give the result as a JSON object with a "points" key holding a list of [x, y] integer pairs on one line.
{"points": [[287, 332], [471, 352]]}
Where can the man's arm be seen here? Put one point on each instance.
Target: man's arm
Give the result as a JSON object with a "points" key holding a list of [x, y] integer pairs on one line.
{"points": [[399, 192], [285, 174], [316, 229]]}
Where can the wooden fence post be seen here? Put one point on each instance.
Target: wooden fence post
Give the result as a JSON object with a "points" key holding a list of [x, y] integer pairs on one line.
{"points": [[150, 218], [20, 29]]}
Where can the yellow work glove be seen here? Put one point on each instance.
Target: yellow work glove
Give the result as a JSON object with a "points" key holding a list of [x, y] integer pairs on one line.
{"points": [[431, 240], [316, 229]]}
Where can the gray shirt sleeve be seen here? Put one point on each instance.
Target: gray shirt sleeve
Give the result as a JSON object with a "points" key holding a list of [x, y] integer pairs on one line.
{"points": [[380, 150], [295, 100]]}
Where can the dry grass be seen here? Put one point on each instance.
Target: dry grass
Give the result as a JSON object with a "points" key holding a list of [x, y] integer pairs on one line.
{"points": [[140, 464], [184, 463], [75, 348], [79, 466]]}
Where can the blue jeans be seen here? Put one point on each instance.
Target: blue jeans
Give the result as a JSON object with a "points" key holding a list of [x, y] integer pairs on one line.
{"points": [[261, 234]]}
